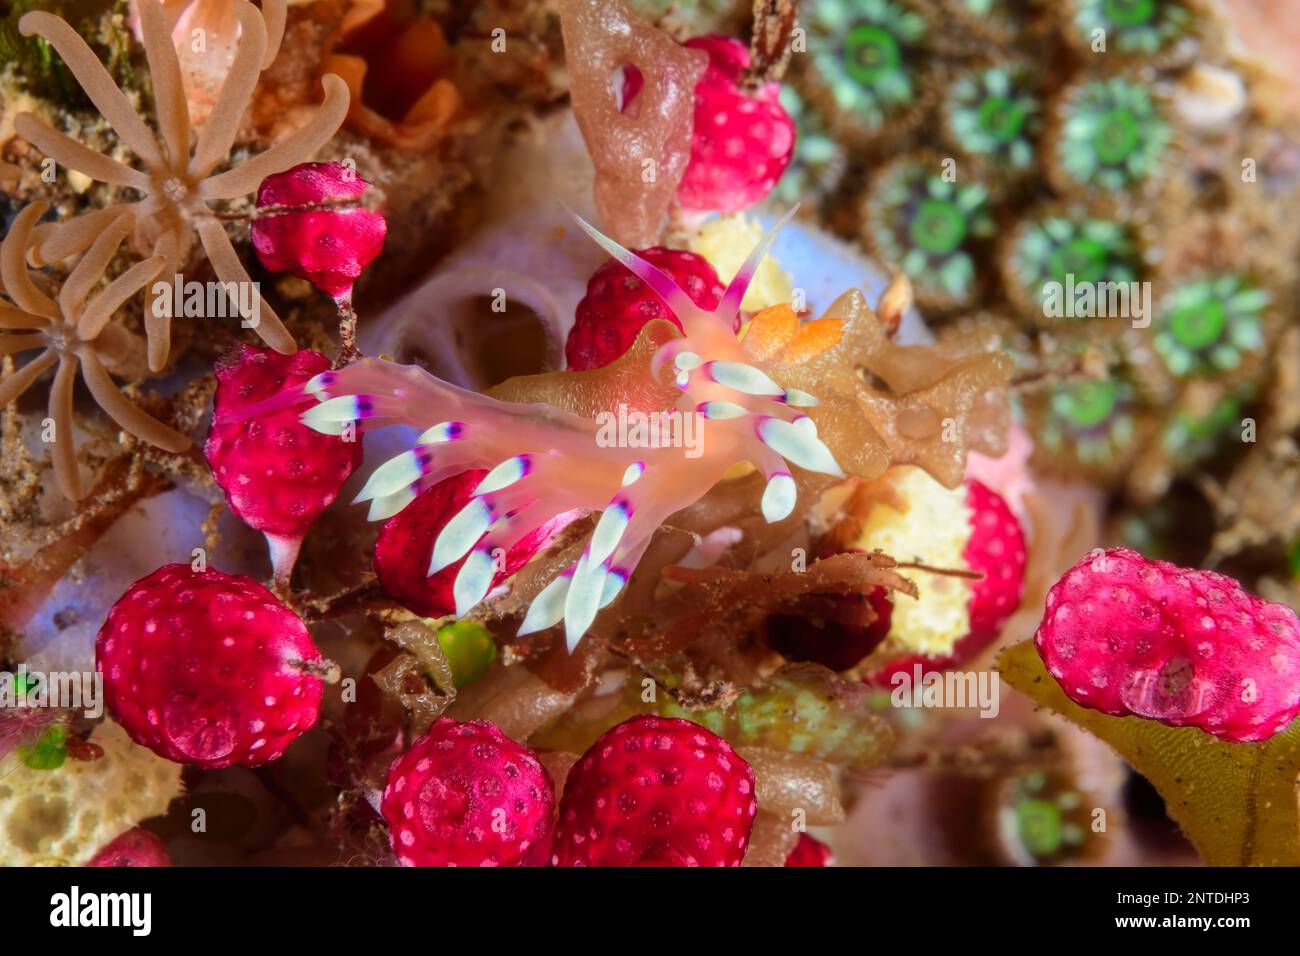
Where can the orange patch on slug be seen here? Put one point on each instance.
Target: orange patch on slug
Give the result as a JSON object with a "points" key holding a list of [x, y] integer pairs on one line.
{"points": [[770, 331], [776, 335], [812, 339]]}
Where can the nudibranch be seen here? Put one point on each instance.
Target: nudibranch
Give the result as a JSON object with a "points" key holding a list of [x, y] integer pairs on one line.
{"points": [[746, 398]]}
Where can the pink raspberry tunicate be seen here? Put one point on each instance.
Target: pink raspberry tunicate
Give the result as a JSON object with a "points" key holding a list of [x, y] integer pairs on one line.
{"points": [[1126, 635]]}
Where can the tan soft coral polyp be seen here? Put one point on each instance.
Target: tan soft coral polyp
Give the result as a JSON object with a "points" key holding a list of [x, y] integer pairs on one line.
{"points": [[73, 333], [179, 179]]}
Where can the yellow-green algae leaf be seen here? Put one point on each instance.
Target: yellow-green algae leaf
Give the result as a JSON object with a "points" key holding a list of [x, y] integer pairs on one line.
{"points": [[1239, 804]]}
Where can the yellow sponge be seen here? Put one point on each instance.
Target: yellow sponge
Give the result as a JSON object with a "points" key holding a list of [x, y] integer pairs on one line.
{"points": [[62, 817], [725, 243], [920, 520]]}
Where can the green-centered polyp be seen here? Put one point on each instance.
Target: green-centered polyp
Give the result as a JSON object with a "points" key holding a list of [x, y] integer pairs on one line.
{"points": [[1089, 422], [1211, 326], [995, 116], [1145, 28], [929, 226], [1076, 253], [1113, 135], [866, 54], [1043, 819]]}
